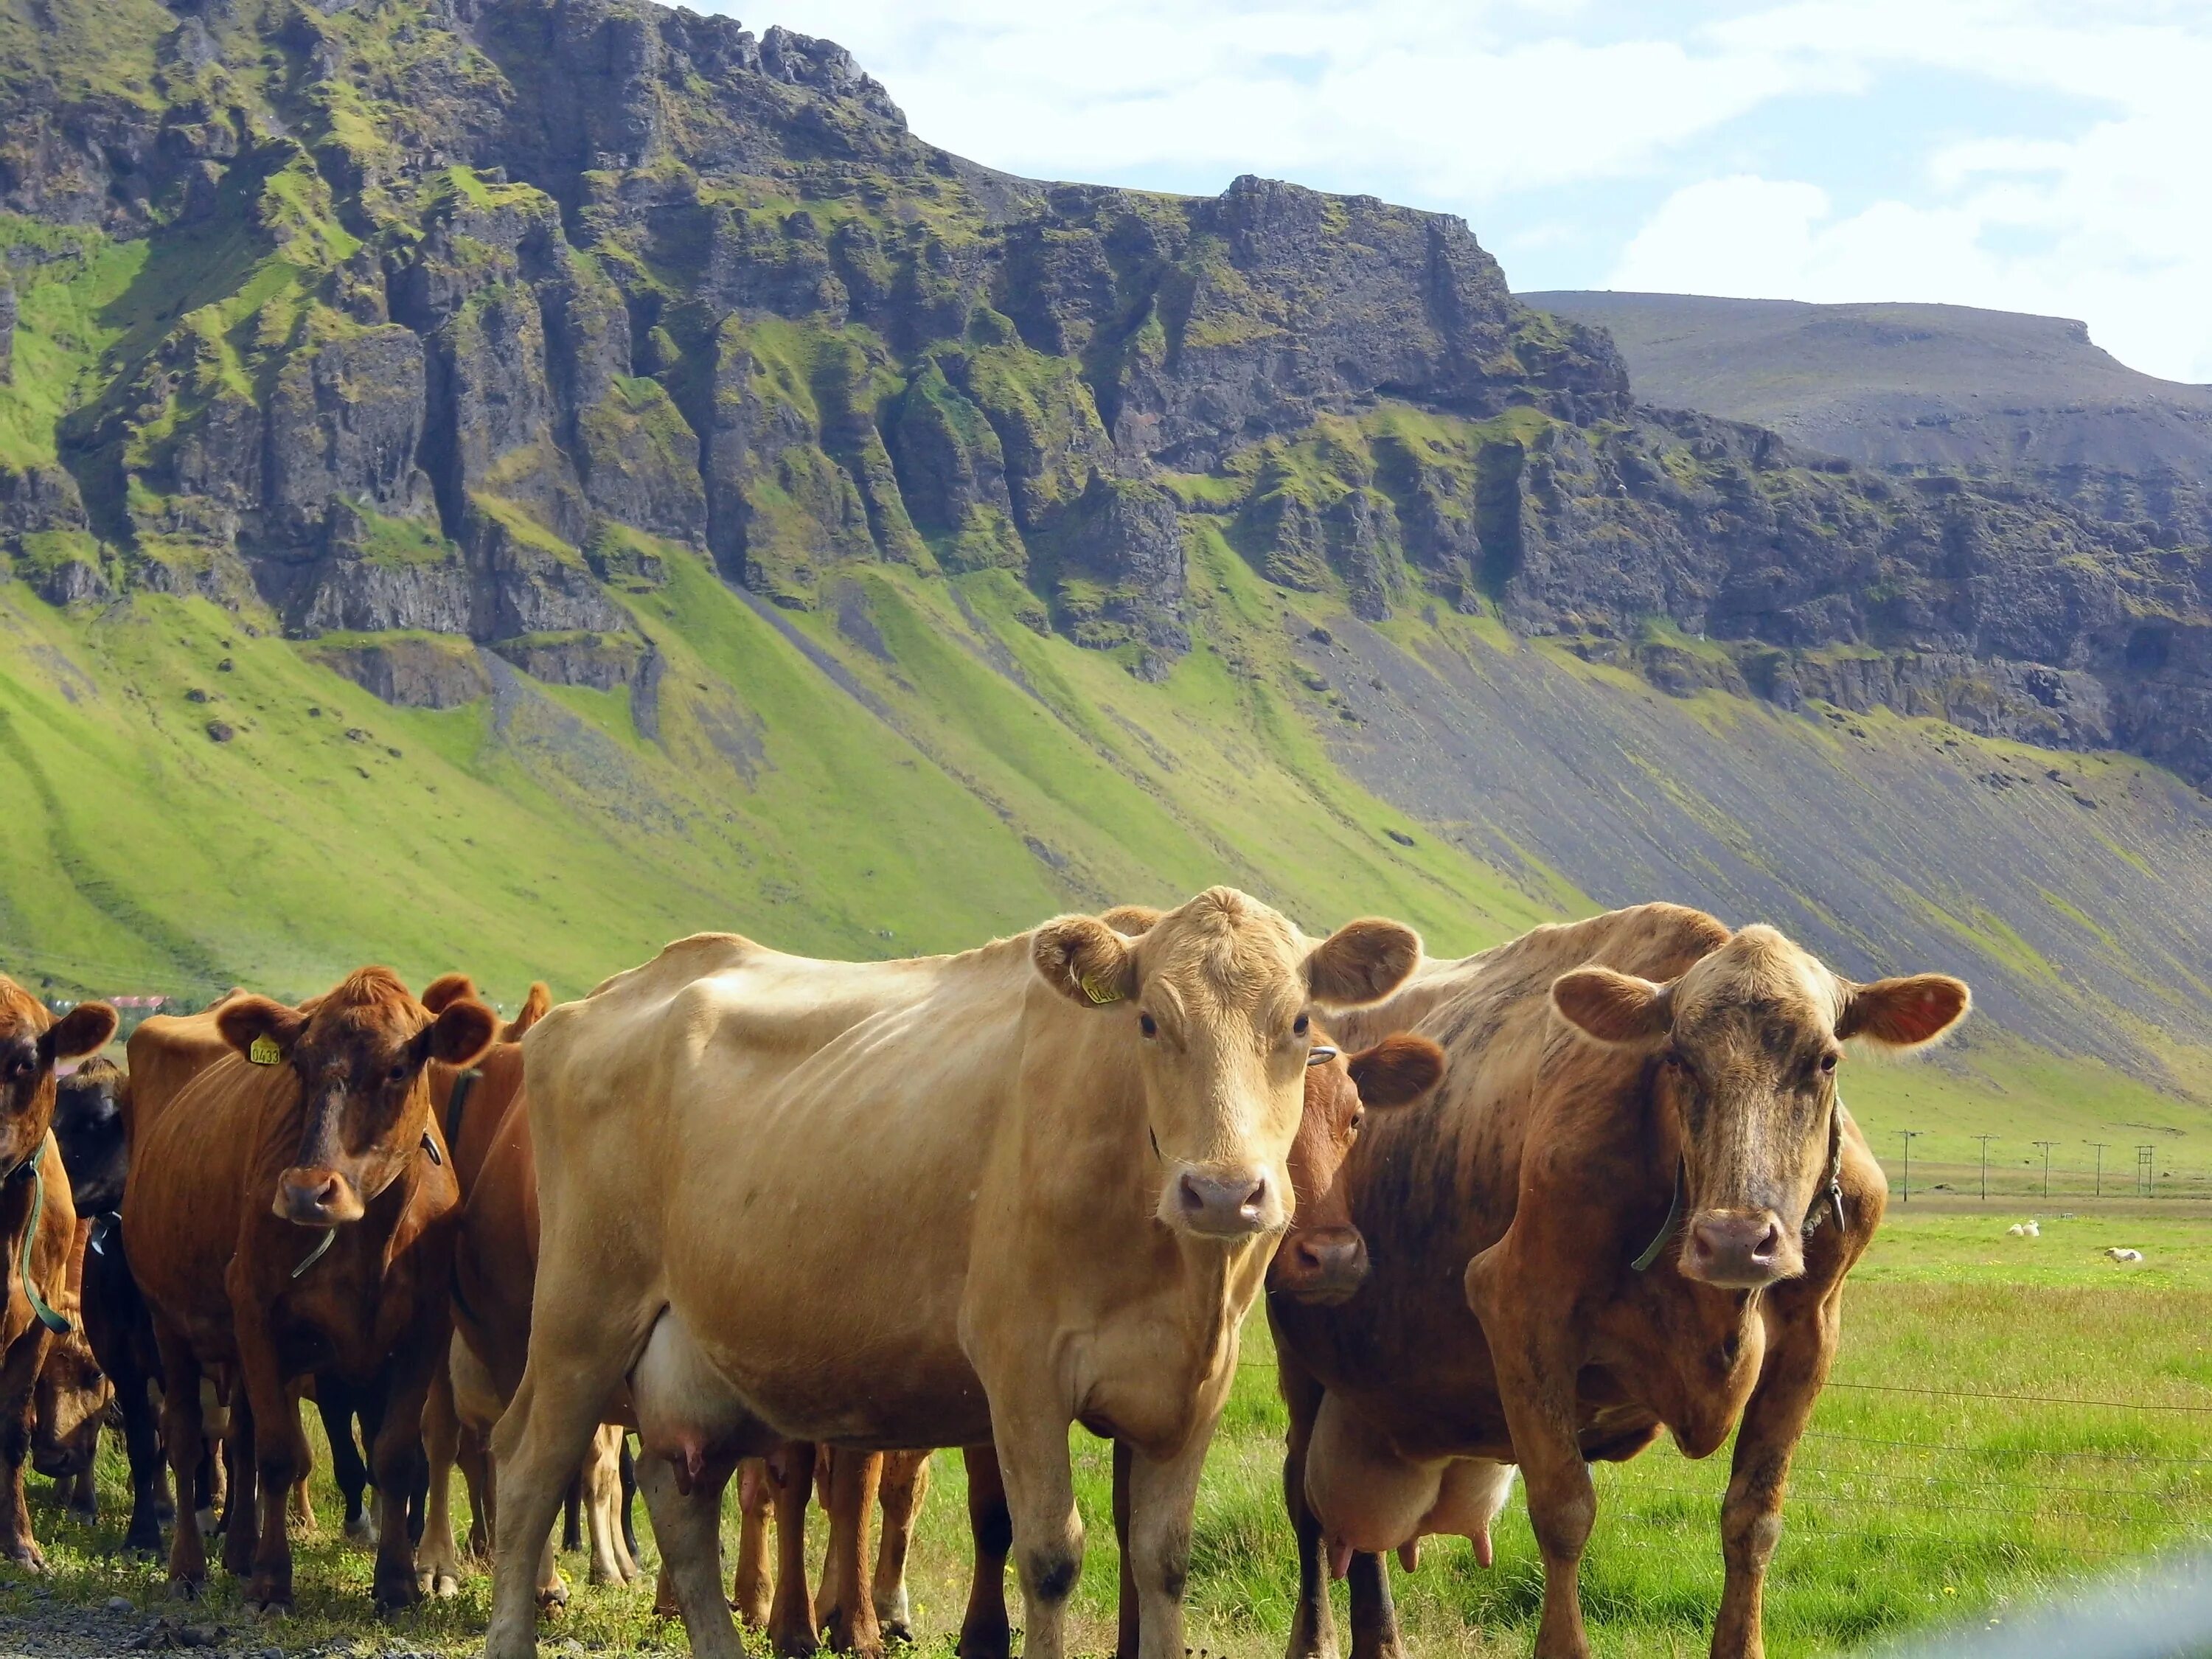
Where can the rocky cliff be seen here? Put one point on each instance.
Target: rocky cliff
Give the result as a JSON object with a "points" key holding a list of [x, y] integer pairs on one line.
{"points": [[449, 317]]}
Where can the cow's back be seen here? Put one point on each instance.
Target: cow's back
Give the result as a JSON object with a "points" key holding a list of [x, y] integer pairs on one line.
{"points": [[166, 1052]]}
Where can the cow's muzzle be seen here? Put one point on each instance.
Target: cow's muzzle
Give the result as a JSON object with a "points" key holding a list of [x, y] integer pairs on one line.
{"points": [[316, 1197], [1229, 1204], [1322, 1266], [1740, 1250]]}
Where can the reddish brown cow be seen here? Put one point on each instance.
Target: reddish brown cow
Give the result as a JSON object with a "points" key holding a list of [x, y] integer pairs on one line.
{"points": [[1633, 1209], [38, 1225], [495, 1265], [291, 1210], [73, 1393], [1323, 1260]]}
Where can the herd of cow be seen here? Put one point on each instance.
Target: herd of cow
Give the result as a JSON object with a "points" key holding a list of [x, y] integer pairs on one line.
{"points": [[803, 1221]]}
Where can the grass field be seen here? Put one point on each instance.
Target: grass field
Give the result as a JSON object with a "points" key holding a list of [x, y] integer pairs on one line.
{"points": [[2008, 1416]]}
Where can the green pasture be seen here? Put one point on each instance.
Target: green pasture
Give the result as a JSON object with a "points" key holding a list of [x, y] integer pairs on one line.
{"points": [[2008, 1416]]}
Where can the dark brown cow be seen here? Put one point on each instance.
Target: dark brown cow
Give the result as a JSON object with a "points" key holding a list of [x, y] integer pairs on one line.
{"points": [[38, 1225], [1322, 1258], [291, 1210], [1632, 1208]]}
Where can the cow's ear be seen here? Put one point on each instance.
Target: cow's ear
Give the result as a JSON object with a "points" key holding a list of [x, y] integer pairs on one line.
{"points": [[246, 1020], [1397, 1070], [1085, 961], [85, 1029], [1132, 920], [462, 1031], [1362, 962], [534, 1007], [446, 988], [1903, 1013], [1613, 1008]]}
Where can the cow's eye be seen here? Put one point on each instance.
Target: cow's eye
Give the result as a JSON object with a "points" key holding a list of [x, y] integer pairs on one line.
{"points": [[1300, 1025], [1148, 1025], [397, 1074], [1827, 1063], [1358, 1118]]}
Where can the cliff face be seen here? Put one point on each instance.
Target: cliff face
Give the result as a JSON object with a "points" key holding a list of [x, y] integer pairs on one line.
{"points": [[444, 315]]}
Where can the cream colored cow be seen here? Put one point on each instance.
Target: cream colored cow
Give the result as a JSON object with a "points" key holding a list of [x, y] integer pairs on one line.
{"points": [[916, 1204]]}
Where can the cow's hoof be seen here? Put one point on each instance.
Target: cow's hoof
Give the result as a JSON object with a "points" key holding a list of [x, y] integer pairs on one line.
{"points": [[897, 1630], [361, 1530], [553, 1597], [139, 1543], [28, 1556], [442, 1586], [185, 1589], [274, 1613]]}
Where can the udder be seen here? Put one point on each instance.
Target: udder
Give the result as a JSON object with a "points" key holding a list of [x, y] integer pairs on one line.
{"points": [[687, 1410], [1369, 1497]]}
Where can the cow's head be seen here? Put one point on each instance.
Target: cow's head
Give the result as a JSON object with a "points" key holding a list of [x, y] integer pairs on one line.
{"points": [[1217, 1001], [31, 1041], [1748, 1042], [357, 1053], [71, 1401], [1323, 1258], [88, 1130]]}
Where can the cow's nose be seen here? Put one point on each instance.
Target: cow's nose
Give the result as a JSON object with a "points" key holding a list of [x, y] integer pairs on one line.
{"points": [[1223, 1206], [1322, 1266], [316, 1197], [1736, 1250]]}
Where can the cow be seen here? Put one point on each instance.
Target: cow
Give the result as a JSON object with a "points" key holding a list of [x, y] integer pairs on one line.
{"points": [[38, 1226], [1322, 1258], [1069, 1147], [495, 1273], [74, 1391], [1630, 1207], [291, 1211]]}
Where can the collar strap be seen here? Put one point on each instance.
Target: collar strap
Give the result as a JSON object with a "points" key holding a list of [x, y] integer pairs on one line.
{"points": [[56, 1322], [322, 1249], [1667, 1228], [459, 1097]]}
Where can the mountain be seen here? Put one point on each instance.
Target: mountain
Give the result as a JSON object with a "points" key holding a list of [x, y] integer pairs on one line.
{"points": [[503, 482], [1924, 386]]}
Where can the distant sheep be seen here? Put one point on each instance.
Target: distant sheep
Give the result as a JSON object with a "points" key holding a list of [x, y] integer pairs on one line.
{"points": [[2024, 1229], [2033, 1230], [2119, 1255]]}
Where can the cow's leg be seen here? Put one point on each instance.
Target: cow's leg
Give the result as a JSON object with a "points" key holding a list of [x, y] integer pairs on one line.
{"points": [[334, 1403], [472, 1451], [241, 1516], [985, 1633], [1162, 1494], [688, 1526], [186, 1439], [850, 1624], [626, 1473], [263, 1416], [437, 1563], [791, 1627], [1313, 1622], [397, 1453], [19, 1411], [142, 1444], [602, 1482], [83, 1499], [572, 1516], [1127, 1615], [1374, 1615], [1031, 1438], [906, 1483], [574, 1370], [1800, 1347], [749, 1589]]}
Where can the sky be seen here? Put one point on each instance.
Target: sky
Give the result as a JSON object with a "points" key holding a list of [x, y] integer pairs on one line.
{"points": [[2043, 155]]}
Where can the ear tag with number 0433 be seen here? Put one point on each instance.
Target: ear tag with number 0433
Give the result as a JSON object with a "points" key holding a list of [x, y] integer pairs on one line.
{"points": [[264, 1051]]}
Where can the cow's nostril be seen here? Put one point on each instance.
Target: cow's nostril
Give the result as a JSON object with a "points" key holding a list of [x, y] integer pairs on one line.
{"points": [[1254, 1199], [1194, 1200], [1769, 1241]]}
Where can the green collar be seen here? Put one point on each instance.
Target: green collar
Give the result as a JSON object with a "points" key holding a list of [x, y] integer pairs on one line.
{"points": [[56, 1322]]}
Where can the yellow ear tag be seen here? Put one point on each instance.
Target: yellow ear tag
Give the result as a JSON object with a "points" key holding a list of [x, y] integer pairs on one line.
{"points": [[264, 1051], [1100, 994]]}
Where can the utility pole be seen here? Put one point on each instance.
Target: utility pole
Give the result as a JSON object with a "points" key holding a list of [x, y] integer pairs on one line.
{"points": [[2100, 1145], [2146, 1170], [1985, 1140], [2046, 1145], [1911, 1135]]}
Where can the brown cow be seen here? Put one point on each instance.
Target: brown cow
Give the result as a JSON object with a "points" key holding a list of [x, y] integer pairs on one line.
{"points": [[38, 1225], [1322, 1258], [74, 1394], [495, 1267], [291, 1211], [1632, 1208]]}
